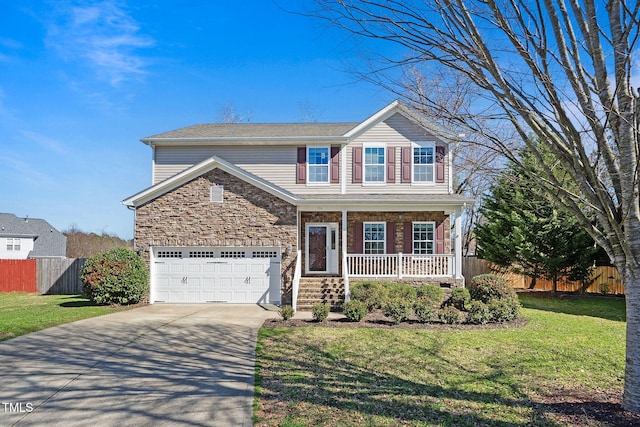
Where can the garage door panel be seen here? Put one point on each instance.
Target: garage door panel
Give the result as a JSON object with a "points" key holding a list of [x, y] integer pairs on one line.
{"points": [[204, 279]]}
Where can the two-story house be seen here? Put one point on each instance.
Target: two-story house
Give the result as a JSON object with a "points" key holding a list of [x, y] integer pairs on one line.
{"points": [[250, 213], [29, 238]]}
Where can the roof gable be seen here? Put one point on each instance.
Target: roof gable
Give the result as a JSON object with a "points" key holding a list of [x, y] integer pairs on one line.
{"points": [[11, 225], [199, 169]]}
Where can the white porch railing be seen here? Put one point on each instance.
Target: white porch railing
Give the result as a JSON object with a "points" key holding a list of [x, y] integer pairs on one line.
{"points": [[400, 265]]}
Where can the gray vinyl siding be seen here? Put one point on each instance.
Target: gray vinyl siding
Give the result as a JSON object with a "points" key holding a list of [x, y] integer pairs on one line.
{"points": [[396, 131], [272, 163]]}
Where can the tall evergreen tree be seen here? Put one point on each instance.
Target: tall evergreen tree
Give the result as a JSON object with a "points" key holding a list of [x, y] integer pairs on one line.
{"points": [[525, 233]]}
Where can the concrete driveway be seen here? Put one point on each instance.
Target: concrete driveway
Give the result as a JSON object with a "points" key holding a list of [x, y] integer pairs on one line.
{"points": [[160, 365]]}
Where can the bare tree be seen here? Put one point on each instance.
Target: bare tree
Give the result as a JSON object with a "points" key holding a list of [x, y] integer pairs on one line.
{"points": [[229, 114], [561, 71]]}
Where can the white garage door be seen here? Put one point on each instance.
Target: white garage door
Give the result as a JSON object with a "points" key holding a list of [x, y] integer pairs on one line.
{"points": [[201, 275]]}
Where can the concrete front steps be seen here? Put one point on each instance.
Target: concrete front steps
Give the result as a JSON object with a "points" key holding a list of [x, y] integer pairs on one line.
{"points": [[320, 289]]}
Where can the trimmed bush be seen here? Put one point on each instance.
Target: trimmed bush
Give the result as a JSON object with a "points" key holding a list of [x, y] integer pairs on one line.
{"points": [[487, 287], [450, 315], [504, 310], [286, 312], [424, 309], [402, 290], [460, 297], [478, 313], [432, 292], [355, 310], [373, 294], [320, 311], [398, 308], [115, 276]]}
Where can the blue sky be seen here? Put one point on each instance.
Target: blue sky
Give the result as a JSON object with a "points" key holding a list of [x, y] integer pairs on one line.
{"points": [[82, 81]]}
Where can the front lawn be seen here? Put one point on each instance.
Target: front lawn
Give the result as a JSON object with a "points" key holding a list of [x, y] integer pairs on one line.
{"points": [[565, 367], [22, 313]]}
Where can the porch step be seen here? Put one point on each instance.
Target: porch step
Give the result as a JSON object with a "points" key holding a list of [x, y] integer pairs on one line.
{"points": [[320, 289]]}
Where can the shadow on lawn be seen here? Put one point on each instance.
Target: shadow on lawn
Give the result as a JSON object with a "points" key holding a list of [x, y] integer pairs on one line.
{"points": [[605, 307], [312, 378]]}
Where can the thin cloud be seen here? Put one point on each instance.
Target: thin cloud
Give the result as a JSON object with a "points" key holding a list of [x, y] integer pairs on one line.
{"points": [[101, 35], [45, 142]]}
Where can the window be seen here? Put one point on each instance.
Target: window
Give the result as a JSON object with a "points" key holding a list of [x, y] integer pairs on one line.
{"points": [[318, 163], [423, 237], [374, 237], [374, 164], [13, 244], [423, 160]]}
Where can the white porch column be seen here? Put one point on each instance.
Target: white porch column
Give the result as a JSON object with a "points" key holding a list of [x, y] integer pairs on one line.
{"points": [[345, 271], [458, 245]]}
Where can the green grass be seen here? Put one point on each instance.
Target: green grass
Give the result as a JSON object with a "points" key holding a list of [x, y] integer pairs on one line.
{"points": [[570, 349], [22, 313]]}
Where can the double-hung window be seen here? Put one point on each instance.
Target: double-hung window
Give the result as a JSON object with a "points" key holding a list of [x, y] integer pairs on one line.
{"points": [[423, 161], [374, 164], [318, 164], [13, 244], [374, 237], [423, 237]]}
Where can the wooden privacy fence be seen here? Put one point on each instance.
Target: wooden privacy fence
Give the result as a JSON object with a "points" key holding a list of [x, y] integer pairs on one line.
{"points": [[473, 266], [43, 275], [18, 275]]}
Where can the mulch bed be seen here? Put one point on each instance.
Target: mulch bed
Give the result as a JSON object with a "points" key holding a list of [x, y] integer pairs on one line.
{"points": [[378, 320]]}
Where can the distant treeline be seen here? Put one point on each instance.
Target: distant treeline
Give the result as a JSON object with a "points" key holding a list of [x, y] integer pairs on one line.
{"points": [[81, 244]]}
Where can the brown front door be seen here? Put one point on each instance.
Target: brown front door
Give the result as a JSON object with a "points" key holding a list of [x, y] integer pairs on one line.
{"points": [[317, 235]]}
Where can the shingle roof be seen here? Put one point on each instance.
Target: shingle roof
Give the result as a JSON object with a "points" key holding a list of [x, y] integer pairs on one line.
{"points": [[48, 241], [257, 130], [11, 225]]}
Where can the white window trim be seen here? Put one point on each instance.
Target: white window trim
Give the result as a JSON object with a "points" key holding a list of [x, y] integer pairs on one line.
{"points": [[423, 144], [433, 224], [384, 237], [308, 165], [364, 164]]}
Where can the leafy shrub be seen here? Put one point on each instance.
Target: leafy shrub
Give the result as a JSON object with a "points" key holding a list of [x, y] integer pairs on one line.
{"points": [[398, 308], [402, 290], [354, 310], [433, 292], [373, 294], [478, 313], [425, 309], [320, 311], [460, 297], [286, 312], [450, 315], [115, 276], [504, 310], [605, 288], [487, 287]]}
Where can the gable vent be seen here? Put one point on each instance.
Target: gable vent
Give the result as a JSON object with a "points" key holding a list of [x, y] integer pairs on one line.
{"points": [[217, 193]]}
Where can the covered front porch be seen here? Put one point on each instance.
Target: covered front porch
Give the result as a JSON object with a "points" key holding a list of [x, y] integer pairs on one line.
{"points": [[352, 244]]}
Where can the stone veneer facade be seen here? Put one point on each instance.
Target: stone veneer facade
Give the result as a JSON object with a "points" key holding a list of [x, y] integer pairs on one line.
{"points": [[248, 216]]}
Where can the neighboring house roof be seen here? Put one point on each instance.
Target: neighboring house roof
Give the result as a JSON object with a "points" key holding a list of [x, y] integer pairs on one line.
{"points": [[48, 242], [12, 226]]}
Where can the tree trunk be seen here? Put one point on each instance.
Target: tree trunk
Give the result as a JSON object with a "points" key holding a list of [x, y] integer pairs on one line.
{"points": [[631, 395], [555, 284], [533, 282]]}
